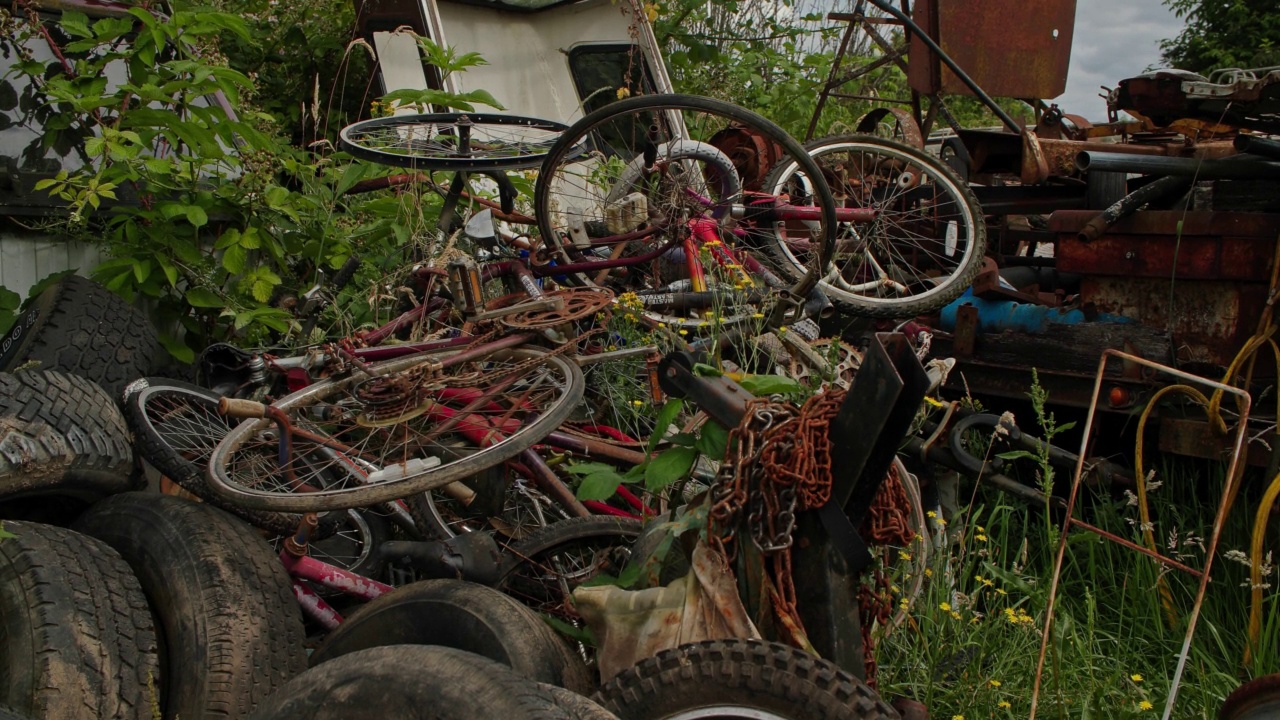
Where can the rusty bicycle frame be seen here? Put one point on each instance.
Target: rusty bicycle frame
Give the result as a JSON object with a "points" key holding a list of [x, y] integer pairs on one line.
{"points": [[1228, 492]]}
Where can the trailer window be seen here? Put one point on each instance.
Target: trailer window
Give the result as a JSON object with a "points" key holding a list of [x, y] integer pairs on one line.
{"points": [[601, 71]]}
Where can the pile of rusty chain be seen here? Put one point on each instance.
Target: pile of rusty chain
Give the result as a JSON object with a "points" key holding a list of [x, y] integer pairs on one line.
{"points": [[885, 526], [780, 463]]}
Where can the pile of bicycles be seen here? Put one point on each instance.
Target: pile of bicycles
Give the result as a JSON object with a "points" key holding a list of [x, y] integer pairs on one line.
{"points": [[701, 225]]}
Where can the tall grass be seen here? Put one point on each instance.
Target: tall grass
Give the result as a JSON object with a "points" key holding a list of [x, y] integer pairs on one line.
{"points": [[971, 645]]}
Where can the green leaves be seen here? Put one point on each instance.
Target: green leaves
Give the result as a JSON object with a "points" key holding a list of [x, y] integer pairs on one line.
{"points": [[761, 385], [667, 467], [204, 298]]}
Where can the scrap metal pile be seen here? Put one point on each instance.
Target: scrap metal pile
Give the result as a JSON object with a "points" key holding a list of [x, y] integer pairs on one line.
{"points": [[636, 442]]}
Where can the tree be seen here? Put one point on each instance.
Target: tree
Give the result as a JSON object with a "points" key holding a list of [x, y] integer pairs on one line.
{"points": [[1224, 33]]}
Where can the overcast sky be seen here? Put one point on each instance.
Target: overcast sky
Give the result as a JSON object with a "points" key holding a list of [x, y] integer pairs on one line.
{"points": [[1113, 40]]}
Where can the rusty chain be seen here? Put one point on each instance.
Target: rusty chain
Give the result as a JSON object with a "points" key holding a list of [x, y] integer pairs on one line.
{"points": [[779, 463]]}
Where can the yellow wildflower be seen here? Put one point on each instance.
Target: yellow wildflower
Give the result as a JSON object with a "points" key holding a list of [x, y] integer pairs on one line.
{"points": [[928, 572], [684, 332], [904, 555], [1004, 705], [623, 93], [1144, 706], [957, 717], [945, 607], [1135, 677], [931, 514], [955, 615], [994, 683], [1000, 591], [637, 403], [980, 538]]}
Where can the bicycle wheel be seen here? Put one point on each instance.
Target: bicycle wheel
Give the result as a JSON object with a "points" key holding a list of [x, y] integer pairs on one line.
{"points": [[646, 196], [546, 566], [408, 426], [465, 142], [176, 426], [447, 512], [924, 246]]}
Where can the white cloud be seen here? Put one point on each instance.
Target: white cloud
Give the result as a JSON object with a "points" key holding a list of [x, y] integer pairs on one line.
{"points": [[1113, 40]]}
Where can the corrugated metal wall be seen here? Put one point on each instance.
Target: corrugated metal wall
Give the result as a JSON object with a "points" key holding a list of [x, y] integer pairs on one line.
{"points": [[25, 260]]}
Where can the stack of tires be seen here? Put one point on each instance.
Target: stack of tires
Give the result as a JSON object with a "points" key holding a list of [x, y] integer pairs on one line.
{"points": [[114, 603]]}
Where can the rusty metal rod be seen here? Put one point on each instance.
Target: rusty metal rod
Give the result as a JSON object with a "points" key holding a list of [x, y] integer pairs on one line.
{"points": [[1234, 167]]}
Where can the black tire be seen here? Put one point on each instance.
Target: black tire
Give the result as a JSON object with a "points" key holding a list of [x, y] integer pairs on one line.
{"points": [[76, 636], [78, 326], [176, 426], [751, 675], [61, 435], [578, 707], [465, 616], [573, 187], [916, 241], [561, 556], [231, 628], [411, 682]]}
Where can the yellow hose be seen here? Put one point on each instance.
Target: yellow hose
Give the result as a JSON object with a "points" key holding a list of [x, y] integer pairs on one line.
{"points": [[1213, 408], [1140, 479], [1255, 565]]}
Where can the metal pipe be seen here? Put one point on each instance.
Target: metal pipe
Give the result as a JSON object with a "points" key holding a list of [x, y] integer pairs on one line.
{"points": [[549, 483], [1237, 166], [1161, 189], [1258, 146]]}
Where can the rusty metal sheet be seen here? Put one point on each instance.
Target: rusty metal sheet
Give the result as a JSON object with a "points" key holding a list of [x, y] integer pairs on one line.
{"points": [[1185, 436], [1205, 245], [1169, 223], [1011, 48], [1210, 321]]}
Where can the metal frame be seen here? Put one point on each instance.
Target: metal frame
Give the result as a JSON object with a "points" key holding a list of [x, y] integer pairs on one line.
{"points": [[1228, 492]]}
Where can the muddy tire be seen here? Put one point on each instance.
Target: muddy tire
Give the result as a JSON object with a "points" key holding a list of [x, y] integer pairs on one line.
{"points": [[61, 435], [740, 678], [411, 682], [78, 326], [76, 636], [466, 616], [578, 707], [231, 628]]}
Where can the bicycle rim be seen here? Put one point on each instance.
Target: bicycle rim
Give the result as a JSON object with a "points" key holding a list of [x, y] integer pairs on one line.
{"points": [[436, 141], [921, 251], [599, 200], [362, 440]]}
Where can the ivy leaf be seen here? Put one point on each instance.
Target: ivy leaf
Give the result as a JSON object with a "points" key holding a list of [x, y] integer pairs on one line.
{"points": [[228, 238], [196, 215], [666, 416], [203, 298], [761, 385], [713, 440], [178, 349], [598, 486], [669, 467], [684, 440], [589, 468], [234, 259]]}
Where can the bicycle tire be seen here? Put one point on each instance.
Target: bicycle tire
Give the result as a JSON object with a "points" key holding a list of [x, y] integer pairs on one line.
{"points": [[443, 517], [176, 426], [739, 678], [576, 187], [392, 141], [526, 571], [568, 391], [891, 166]]}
